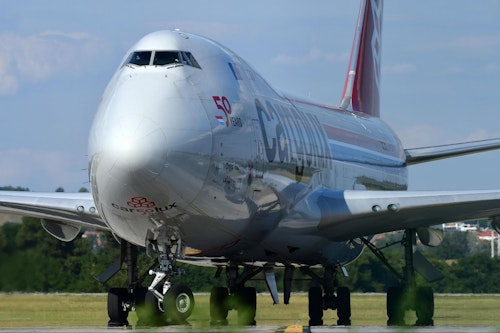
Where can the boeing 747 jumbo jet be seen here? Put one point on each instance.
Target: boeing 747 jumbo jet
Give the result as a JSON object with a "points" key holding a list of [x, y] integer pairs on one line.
{"points": [[196, 158]]}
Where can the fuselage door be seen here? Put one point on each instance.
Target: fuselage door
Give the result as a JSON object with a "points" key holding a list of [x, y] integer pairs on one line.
{"points": [[258, 164]]}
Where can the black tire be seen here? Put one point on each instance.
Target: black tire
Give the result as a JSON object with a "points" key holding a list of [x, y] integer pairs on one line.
{"points": [[178, 304], [117, 314], [424, 306], [140, 295], [246, 300], [395, 306], [149, 312], [344, 306], [315, 306], [218, 307]]}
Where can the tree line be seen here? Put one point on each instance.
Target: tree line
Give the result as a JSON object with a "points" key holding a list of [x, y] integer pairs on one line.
{"points": [[33, 261]]}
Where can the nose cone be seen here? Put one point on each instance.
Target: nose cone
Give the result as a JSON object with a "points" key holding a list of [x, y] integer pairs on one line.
{"points": [[139, 148], [152, 140]]}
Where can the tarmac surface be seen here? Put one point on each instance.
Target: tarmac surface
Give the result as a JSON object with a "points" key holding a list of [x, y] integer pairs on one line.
{"points": [[264, 329]]}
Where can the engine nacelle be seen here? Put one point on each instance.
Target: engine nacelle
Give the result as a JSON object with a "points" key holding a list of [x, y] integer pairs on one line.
{"points": [[430, 236], [61, 230]]}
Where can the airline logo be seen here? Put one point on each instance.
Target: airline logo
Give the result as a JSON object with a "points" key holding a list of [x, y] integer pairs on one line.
{"points": [[140, 202], [290, 135], [143, 206]]}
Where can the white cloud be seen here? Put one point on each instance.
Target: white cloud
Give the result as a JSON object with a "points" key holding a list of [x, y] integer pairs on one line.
{"points": [[8, 82], [481, 134], [402, 68], [314, 55], [493, 68], [70, 35], [425, 135], [40, 57], [29, 167], [469, 43], [211, 29], [474, 42]]}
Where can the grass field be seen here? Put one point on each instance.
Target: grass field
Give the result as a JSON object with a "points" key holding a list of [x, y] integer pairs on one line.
{"points": [[82, 310]]}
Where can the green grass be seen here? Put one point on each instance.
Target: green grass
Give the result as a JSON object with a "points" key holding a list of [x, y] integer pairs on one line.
{"points": [[70, 310]]}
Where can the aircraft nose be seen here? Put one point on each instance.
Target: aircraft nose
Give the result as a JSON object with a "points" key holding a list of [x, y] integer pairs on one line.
{"points": [[139, 149], [155, 143]]}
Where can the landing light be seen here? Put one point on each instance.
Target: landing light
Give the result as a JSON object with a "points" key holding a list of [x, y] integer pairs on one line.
{"points": [[393, 207]]}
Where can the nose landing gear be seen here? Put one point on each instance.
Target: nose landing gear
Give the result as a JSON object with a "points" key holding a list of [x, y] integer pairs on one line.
{"points": [[167, 304], [159, 304]]}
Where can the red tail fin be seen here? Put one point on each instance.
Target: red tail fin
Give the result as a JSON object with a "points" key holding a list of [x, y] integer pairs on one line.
{"points": [[361, 89]]}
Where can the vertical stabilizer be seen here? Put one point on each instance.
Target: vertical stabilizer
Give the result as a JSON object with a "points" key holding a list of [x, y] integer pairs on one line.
{"points": [[361, 88]]}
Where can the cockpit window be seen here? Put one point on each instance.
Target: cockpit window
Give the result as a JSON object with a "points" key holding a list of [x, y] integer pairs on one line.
{"points": [[162, 58], [140, 58], [188, 59]]}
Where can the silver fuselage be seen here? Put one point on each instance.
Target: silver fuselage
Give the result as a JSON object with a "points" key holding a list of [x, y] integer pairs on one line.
{"points": [[217, 157]]}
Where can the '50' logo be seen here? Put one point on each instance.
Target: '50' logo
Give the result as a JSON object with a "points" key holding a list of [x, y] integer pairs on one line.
{"points": [[223, 104]]}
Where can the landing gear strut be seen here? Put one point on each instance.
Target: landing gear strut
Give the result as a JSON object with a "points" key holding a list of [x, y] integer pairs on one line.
{"points": [[326, 298], [407, 296]]}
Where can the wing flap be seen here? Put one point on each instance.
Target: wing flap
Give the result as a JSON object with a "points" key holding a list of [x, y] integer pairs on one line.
{"points": [[351, 214], [71, 208]]}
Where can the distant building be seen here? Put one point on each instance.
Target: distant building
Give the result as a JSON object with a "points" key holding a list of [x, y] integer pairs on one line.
{"points": [[487, 235], [95, 237], [460, 226]]}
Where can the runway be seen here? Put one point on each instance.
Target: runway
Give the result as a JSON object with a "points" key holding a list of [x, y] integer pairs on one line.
{"points": [[264, 329]]}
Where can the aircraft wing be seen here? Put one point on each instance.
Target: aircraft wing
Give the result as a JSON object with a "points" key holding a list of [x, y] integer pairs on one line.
{"points": [[347, 215], [62, 214], [427, 154]]}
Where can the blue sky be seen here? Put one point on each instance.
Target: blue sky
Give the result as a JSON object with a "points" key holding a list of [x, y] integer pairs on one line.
{"points": [[440, 73]]}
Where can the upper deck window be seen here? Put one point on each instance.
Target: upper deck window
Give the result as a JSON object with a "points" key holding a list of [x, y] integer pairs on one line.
{"points": [[162, 58]]}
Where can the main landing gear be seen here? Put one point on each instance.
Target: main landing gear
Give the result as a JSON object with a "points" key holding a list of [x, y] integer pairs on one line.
{"points": [[243, 299], [235, 297], [157, 305], [326, 294], [409, 296]]}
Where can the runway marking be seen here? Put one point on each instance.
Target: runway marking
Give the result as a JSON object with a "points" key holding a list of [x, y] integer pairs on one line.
{"points": [[296, 328]]}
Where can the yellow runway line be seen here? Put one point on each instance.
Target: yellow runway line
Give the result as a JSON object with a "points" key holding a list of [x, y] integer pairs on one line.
{"points": [[295, 328]]}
